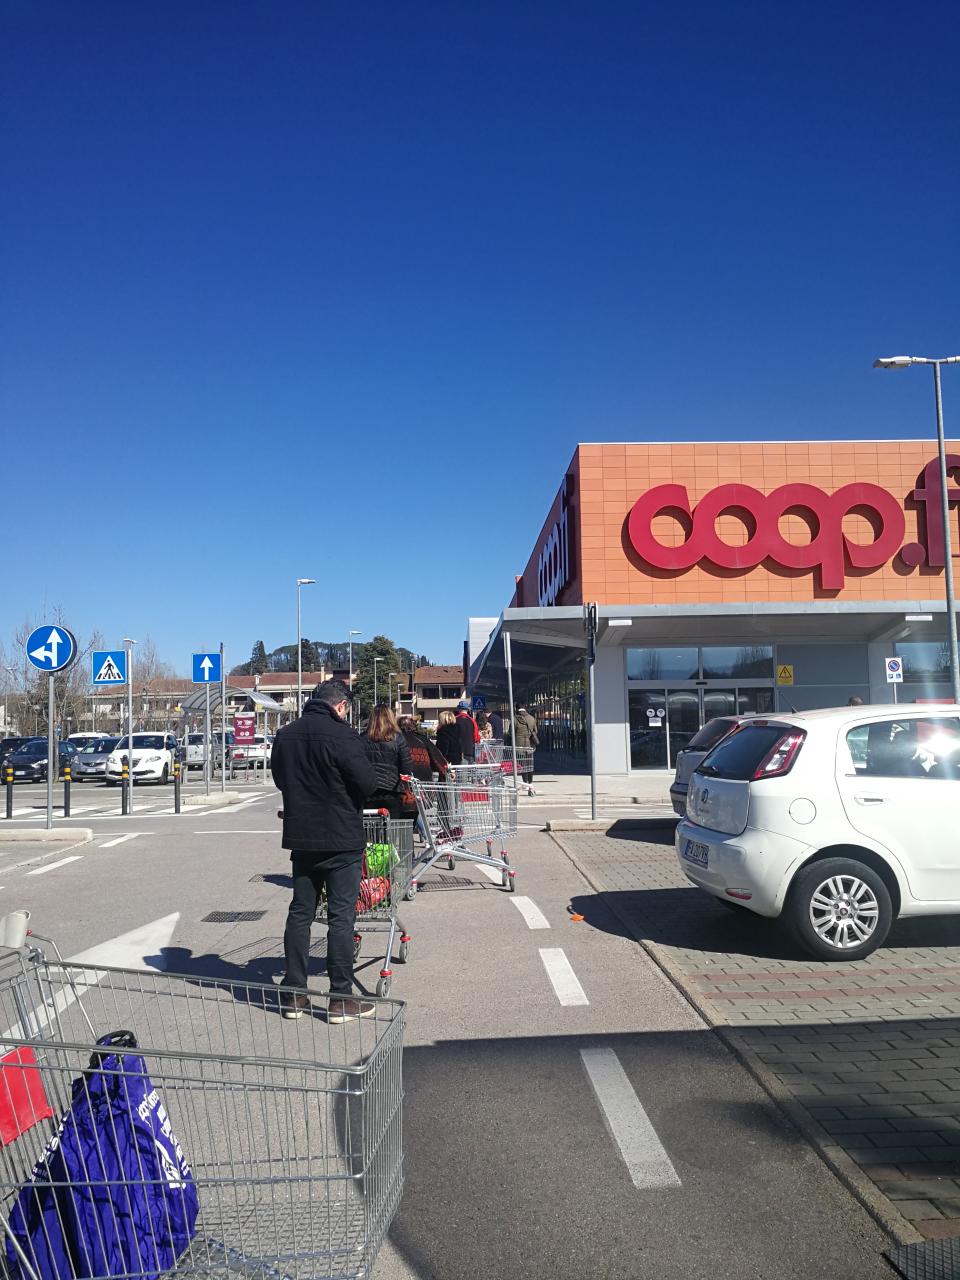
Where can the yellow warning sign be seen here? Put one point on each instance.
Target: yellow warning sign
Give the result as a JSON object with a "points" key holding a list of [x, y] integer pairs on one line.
{"points": [[785, 674]]}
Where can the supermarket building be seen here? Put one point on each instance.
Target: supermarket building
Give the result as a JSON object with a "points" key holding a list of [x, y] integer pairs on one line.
{"points": [[727, 577]]}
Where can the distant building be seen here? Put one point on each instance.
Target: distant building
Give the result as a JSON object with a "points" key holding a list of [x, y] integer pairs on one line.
{"points": [[437, 689]]}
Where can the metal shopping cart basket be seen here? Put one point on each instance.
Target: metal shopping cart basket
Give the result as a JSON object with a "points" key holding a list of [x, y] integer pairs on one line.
{"points": [[387, 879], [467, 820], [489, 751], [292, 1129]]}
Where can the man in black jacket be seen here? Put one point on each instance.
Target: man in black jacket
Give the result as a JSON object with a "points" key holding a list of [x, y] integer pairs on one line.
{"points": [[320, 766]]}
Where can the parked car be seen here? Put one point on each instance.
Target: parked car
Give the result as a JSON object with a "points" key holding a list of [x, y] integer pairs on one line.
{"points": [[195, 752], [703, 740], [839, 821], [153, 758], [90, 762], [221, 752], [250, 755], [29, 762], [81, 740], [9, 745]]}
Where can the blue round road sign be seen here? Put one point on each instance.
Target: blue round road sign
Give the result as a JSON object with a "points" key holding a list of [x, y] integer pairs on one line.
{"points": [[51, 648]]}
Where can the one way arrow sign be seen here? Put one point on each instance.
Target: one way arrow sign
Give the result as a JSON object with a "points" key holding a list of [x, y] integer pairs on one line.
{"points": [[207, 668]]}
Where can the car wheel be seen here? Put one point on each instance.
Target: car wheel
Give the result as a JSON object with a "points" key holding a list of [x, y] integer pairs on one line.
{"points": [[839, 909], [165, 776]]}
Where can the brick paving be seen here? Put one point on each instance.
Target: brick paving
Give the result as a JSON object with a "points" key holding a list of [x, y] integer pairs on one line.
{"points": [[870, 1050]]}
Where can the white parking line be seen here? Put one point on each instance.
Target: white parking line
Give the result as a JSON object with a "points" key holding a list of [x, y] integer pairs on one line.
{"points": [[530, 911], [490, 872], [128, 835], [643, 1153], [52, 866], [560, 972], [240, 831]]}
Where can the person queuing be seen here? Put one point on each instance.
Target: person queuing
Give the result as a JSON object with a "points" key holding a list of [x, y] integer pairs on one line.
{"points": [[427, 761], [525, 728], [388, 753], [496, 724], [448, 738], [325, 777], [484, 727], [469, 733]]}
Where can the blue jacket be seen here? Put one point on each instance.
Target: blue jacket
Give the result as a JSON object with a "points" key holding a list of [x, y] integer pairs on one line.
{"points": [[112, 1194]]}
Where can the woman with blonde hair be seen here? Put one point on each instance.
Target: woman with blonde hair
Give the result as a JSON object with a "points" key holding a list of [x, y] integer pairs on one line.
{"points": [[448, 738], [390, 756]]}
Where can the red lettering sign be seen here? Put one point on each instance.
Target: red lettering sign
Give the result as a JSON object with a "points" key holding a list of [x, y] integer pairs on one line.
{"points": [[830, 550]]}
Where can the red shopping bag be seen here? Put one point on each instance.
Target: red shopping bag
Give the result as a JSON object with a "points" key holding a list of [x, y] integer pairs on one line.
{"points": [[373, 891]]}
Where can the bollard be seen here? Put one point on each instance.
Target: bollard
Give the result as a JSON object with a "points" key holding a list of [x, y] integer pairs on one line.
{"points": [[176, 787], [125, 791], [8, 780], [66, 790]]}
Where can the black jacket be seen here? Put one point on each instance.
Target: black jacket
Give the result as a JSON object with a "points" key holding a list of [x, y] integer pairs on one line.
{"points": [[389, 760], [448, 743], [320, 765], [496, 723]]}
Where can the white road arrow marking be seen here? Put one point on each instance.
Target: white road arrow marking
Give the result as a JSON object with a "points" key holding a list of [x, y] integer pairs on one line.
{"points": [[126, 951]]}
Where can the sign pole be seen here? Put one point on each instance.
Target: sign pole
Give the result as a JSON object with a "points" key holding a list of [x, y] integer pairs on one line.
{"points": [[590, 626], [130, 728], [53, 759], [206, 747], [223, 721], [508, 660]]}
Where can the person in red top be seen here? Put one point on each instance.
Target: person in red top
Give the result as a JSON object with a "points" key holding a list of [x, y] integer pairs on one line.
{"points": [[469, 733]]}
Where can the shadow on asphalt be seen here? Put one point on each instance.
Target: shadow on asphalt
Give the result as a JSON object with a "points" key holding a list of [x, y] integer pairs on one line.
{"points": [[510, 1172], [647, 830]]}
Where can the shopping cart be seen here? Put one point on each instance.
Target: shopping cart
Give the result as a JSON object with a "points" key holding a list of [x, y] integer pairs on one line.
{"points": [[524, 757], [292, 1129], [489, 751], [466, 820], [387, 879]]}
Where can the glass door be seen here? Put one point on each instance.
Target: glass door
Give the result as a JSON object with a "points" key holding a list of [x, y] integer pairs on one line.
{"points": [[683, 720], [648, 728]]}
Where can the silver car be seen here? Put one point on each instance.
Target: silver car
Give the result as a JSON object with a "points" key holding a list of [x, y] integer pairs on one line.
{"points": [[703, 740], [90, 763]]}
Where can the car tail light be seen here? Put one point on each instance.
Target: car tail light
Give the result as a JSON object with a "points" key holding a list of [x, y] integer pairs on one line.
{"points": [[779, 759]]}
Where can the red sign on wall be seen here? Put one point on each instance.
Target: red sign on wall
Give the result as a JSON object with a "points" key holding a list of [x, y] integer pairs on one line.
{"points": [[244, 727]]}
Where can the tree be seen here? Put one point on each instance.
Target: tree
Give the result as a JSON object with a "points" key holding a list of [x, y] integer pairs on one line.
{"points": [[382, 648], [258, 659], [311, 655]]}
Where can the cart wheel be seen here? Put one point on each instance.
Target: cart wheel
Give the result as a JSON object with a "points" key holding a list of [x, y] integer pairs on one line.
{"points": [[357, 944], [403, 952], [383, 987], [510, 881], [451, 863], [411, 891], [504, 859]]}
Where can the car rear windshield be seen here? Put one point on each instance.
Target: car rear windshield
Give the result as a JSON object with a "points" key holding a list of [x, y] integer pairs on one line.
{"points": [[710, 734], [738, 755]]}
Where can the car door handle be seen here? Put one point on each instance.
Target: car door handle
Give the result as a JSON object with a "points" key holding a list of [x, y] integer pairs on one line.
{"points": [[861, 799]]}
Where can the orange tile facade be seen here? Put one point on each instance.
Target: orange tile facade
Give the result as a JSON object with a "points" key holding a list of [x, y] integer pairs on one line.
{"points": [[608, 478]]}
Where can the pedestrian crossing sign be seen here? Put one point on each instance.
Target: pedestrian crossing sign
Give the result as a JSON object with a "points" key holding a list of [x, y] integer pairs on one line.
{"points": [[785, 673], [110, 666]]}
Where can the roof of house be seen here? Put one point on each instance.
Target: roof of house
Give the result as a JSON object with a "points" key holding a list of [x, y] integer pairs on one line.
{"points": [[439, 675]]}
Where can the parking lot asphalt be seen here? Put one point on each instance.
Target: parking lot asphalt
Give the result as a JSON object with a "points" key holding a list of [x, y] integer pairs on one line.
{"points": [[869, 1052], [565, 1107]]}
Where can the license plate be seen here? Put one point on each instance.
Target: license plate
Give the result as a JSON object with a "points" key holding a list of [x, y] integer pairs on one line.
{"points": [[698, 853]]}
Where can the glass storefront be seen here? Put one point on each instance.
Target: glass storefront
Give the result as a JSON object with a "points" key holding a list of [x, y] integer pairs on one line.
{"points": [[559, 705], [672, 692]]}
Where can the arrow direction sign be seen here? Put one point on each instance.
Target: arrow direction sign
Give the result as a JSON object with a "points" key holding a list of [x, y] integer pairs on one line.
{"points": [[109, 666], [51, 648], [207, 668]]}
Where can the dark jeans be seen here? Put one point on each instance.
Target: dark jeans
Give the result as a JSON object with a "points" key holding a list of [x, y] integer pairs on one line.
{"points": [[340, 874]]}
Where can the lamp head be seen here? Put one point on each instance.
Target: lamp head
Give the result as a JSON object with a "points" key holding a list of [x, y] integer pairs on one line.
{"points": [[893, 362]]}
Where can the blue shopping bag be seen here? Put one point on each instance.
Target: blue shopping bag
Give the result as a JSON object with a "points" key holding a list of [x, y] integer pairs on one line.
{"points": [[113, 1194]]}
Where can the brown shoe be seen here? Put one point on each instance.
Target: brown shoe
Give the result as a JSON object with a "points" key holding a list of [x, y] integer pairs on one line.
{"points": [[294, 1006], [342, 1010]]}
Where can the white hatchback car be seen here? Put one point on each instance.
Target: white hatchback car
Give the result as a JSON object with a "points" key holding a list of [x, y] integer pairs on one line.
{"points": [[838, 820], [153, 758]]}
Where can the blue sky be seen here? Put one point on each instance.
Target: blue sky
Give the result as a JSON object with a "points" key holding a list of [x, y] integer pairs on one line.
{"points": [[334, 290]]}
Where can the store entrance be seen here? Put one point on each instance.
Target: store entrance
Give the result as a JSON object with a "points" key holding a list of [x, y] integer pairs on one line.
{"points": [[662, 721]]}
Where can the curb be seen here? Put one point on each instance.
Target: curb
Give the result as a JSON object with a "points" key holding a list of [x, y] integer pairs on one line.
{"points": [[835, 1158], [40, 835], [217, 801]]}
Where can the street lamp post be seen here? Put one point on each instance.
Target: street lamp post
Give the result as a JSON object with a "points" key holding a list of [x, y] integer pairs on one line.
{"points": [[375, 661], [301, 582], [350, 636], [129, 646], [904, 362]]}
